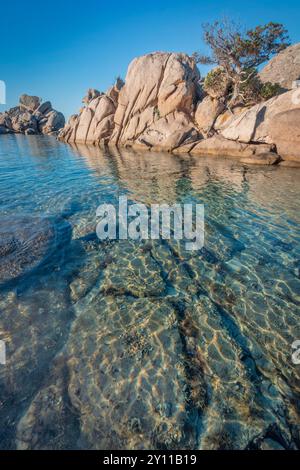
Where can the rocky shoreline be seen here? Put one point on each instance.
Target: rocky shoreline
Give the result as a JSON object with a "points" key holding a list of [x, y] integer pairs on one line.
{"points": [[162, 107], [31, 117]]}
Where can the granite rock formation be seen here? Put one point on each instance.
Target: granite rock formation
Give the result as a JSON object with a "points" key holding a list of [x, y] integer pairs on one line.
{"points": [[95, 121], [270, 123], [157, 101], [31, 116], [162, 106], [152, 110], [283, 68]]}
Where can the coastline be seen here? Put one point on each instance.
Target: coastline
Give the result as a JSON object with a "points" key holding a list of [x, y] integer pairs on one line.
{"points": [[162, 106]]}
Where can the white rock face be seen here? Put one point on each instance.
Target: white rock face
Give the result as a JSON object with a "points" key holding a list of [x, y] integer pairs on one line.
{"points": [[207, 112], [254, 124], [156, 86], [169, 132], [95, 122], [283, 68], [276, 121], [285, 131], [219, 146], [154, 109]]}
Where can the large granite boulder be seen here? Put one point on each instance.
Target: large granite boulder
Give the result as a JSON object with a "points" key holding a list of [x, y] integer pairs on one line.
{"points": [[260, 124], [31, 117], [52, 122], [285, 131], [95, 122], [5, 121], [168, 133], [219, 146], [43, 108], [153, 109], [23, 121], [156, 86], [207, 112], [284, 68], [29, 102]]}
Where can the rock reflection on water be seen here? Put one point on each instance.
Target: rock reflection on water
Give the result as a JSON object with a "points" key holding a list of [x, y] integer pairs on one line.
{"points": [[116, 345]]}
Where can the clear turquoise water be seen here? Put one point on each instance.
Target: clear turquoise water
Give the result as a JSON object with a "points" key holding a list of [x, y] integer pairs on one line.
{"points": [[116, 345]]}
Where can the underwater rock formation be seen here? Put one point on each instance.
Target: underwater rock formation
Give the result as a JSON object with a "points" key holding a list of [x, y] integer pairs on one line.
{"points": [[168, 370], [25, 242]]}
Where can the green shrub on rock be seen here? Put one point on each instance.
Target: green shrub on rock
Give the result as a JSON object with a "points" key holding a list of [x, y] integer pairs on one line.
{"points": [[268, 90], [216, 83], [252, 90], [237, 51]]}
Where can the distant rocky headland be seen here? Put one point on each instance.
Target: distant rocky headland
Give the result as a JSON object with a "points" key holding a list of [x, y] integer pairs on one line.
{"points": [[31, 116], [163, 106]]}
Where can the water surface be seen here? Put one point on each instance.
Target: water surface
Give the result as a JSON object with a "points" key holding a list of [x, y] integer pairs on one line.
{"points": [[132, 345]]}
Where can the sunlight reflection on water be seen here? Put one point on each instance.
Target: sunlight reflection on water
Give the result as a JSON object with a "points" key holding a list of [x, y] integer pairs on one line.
{"points": [[145, 345]]}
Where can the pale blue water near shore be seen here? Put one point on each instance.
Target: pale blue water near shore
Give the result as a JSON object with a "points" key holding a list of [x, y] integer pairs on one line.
{"points": [[115, 345]]}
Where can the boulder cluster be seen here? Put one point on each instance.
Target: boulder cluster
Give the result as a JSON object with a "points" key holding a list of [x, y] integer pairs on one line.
{"points": [[31, 116], [162, 106]]}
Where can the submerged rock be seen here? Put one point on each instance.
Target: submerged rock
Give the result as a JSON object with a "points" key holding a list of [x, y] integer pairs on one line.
{"points": [[133, 272], [24, 243], [118, 352], [238, 407], [27, 242], [50, 422], [113, 383], [34, 326], [268, 158]]}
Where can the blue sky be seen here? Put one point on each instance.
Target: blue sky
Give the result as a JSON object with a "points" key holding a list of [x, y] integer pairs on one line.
{"points": [[58, 49]]}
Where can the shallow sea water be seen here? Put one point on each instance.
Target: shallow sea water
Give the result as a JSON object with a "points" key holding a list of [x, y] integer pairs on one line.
{"points": [[144, 345]]}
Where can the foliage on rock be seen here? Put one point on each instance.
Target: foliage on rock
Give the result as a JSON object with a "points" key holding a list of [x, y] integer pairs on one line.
{"points": [[239, 53], [216, 83], [252, 89], [268, 90]]}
